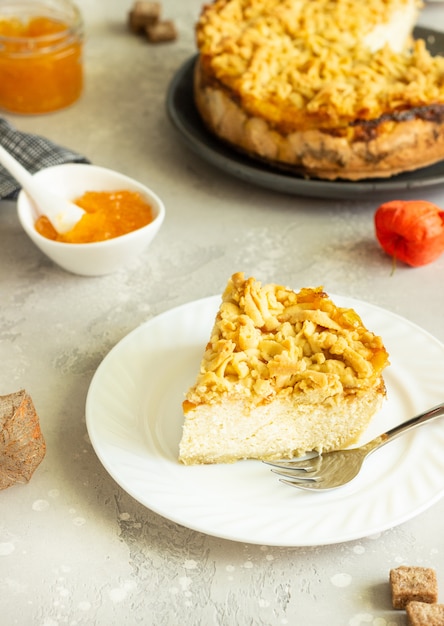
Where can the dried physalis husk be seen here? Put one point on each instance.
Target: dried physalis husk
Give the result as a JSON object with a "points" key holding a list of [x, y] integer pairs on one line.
{"points": [[22, 446]]}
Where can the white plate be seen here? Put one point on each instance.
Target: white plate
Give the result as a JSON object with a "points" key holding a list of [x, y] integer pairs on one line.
{"points": [[134, 420]]}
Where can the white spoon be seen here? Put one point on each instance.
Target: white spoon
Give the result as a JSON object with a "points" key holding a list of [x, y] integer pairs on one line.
{"points": [[62, 214], [98, 257]]}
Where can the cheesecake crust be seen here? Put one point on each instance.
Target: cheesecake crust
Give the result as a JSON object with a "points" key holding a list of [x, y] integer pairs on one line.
{"points": [[321, 89], [395, 142]]}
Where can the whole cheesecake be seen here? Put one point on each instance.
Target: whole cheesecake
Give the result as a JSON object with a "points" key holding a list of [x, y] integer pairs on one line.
{"points": [[323, 88], [283, 373]]}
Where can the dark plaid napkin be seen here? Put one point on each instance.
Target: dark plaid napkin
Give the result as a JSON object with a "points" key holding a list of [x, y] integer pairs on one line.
{"points": [[33, 152]]}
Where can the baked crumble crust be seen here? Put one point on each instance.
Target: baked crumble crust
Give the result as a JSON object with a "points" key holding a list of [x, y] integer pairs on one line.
{"points": [[329, 89], [379, 148], [302, 65], [269, 342]]}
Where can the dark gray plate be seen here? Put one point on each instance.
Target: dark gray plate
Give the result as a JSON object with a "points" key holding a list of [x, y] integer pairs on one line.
{"points": [[185, 118]]}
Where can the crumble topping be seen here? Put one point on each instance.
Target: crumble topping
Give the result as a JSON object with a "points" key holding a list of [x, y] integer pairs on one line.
{"points": [[312, 64], [269, 340]]}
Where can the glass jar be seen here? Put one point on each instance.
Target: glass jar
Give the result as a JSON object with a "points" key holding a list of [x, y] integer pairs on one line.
{"points": [[41, 44]]}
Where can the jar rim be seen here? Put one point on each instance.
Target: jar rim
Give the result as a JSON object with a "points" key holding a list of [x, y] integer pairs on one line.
{"points": [[64, 11]]}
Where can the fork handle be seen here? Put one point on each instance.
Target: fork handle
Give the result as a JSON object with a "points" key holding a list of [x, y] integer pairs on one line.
{"points": [[427, 416]]}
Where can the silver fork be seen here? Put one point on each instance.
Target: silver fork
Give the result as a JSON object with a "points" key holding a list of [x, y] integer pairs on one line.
{"points": [[337, 468]]}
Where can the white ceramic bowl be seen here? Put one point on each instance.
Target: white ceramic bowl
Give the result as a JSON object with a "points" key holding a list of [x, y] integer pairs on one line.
{"points": [[97, 258]]}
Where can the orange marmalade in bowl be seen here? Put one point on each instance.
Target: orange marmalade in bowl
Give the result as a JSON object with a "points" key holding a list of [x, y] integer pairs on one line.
{"points": [[41, 68], [108, 214]]}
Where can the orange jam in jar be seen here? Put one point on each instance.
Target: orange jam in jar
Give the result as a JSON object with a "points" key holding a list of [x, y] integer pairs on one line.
{"points": [[41, 44], [108, 214]]}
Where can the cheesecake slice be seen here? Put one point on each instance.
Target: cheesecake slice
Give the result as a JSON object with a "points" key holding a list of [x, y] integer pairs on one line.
{"points": [[283, 373]]}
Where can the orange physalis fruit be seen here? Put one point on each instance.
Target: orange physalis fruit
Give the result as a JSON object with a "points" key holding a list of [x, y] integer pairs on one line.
{"points": [[411, 230]]}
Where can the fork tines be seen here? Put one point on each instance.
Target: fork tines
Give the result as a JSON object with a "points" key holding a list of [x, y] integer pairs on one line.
{"points": [[307, 464]]}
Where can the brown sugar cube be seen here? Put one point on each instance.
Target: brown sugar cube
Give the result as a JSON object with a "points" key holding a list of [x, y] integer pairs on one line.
{"points": [[425, 614], [161, 31], [143, 14], [413, 583], [22, 446]]}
